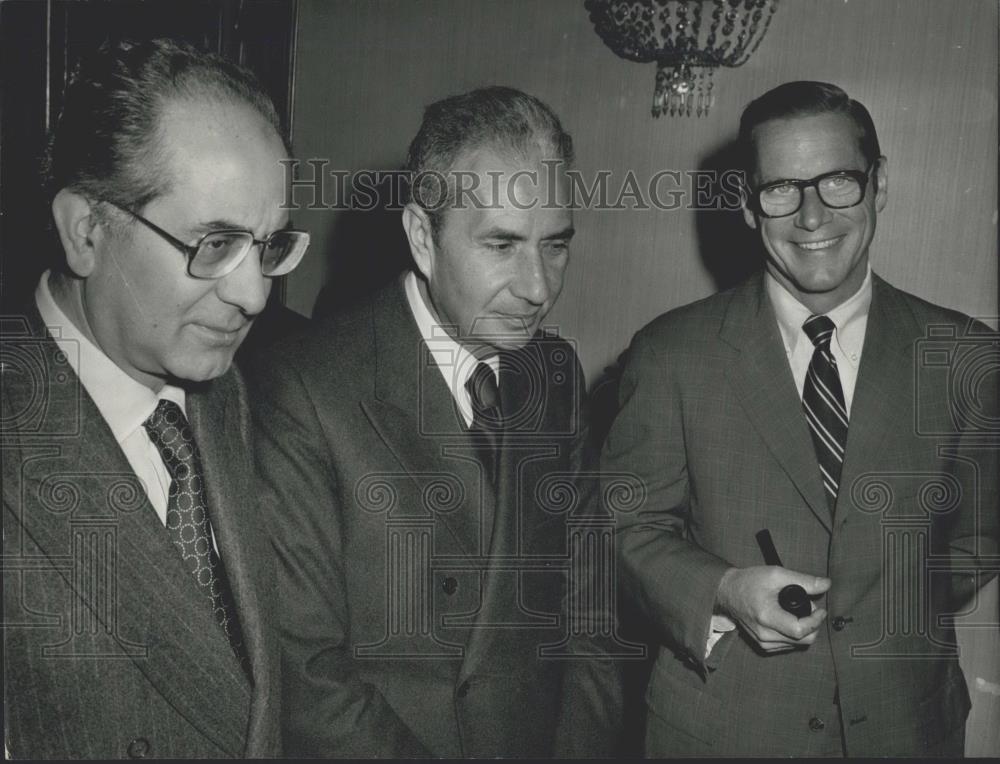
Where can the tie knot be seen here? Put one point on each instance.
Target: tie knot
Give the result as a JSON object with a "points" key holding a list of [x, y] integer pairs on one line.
{"points": [[169, 431], [483, 389], [819, 329]]}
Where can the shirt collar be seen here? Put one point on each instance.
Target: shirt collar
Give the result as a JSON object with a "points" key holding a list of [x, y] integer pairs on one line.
{"points": [[124, 402], [452, 358], [849, 318]]}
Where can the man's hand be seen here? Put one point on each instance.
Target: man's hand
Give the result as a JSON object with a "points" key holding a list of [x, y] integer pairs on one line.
{"points": [[750, 597]]}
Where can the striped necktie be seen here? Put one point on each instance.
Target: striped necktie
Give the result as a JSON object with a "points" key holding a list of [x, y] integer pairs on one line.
{"points": [[487, 420], [486, 431], [823, 401]]}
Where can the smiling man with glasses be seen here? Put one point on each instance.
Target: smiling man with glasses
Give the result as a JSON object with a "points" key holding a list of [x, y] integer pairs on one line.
{"points": [[809, 197], [151, 585], [791, 404]]}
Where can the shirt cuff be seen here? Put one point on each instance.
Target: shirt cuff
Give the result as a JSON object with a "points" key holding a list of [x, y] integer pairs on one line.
{"points": [[720, 626]]}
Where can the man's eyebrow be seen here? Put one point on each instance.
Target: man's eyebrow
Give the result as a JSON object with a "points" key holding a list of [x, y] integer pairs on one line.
{"points": [[840, 171], [566, 233], [502, 234], [220, 225], [230, 225]]}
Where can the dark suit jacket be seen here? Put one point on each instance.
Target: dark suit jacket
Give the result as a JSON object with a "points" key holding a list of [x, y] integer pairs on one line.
{"points": [[109, 648], [712, 424], [399, 638]]}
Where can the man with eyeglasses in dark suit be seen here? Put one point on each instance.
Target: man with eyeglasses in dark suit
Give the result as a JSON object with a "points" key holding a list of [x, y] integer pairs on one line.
{"points": [[815, 402], [137, 572]]}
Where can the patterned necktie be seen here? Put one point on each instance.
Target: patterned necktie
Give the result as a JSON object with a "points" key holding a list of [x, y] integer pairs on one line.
{"points": [[187, 517], [486, 415], [823, 401]]}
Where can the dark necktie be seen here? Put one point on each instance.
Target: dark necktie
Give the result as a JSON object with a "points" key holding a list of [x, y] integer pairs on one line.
{"points": [[188, 522], [823, 401], [486, 415]]}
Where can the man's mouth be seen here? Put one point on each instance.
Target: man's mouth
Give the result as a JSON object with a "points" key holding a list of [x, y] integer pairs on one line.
{"points": [[520, 320], [814, 246], [219, 335]]}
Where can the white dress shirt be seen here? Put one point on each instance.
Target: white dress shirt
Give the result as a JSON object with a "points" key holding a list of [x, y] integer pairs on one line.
{"points": [[850, 321], [124, 403], [454, 361]]}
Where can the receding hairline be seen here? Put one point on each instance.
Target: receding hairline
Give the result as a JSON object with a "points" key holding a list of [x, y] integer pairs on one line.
{"points": [[161, 144], [170, 106]]}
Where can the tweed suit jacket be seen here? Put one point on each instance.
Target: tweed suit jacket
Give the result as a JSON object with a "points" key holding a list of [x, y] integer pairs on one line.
{"points": [[711, 423], [110, 650], [412, 624]]}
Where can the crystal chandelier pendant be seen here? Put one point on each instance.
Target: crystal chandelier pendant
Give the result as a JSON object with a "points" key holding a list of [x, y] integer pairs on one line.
{"points": [[682, 90], [688, 40]]}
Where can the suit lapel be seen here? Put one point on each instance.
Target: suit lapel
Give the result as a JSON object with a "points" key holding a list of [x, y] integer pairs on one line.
{"points": [[415, 415], [162, 622], [220, 429], [879, 395], [526, 408], [763, 383], [423, 428], [529, 412]]}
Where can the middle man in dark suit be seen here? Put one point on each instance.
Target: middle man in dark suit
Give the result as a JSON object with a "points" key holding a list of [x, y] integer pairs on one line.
{"points": [[425, 449]]}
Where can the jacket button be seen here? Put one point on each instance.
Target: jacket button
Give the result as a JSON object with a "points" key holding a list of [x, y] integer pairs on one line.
{"points": [[450, 585], [138, 748], [463, 690], [840, 622], [816, 724]]}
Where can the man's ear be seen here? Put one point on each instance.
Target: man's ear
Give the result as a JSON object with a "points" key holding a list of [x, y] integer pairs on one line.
{"points": [[882, 179], [77, 226], [417, 225], [748, 216]]}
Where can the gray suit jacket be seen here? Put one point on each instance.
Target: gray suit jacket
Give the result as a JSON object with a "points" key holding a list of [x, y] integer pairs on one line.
{"points": [[109, 649], [712, 424], [401, 638]]}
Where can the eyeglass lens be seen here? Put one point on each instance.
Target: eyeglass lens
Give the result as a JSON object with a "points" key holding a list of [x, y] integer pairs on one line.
{"points": [[835, 191], [218, 252]]}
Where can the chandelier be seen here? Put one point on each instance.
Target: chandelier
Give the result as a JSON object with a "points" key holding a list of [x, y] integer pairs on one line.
{"points": [[688, 40]]}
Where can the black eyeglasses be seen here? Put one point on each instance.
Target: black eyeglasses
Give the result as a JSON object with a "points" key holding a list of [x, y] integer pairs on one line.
{"points": [[221, 252], [838, 190]]}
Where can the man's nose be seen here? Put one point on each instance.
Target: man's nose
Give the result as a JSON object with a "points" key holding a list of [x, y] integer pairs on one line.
{"points": [[530, 283], [245, 286], [813, 213]]}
